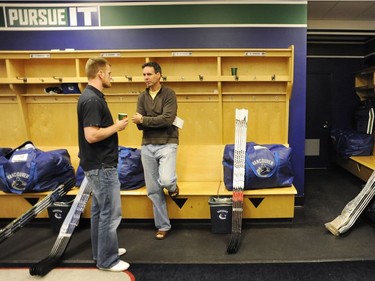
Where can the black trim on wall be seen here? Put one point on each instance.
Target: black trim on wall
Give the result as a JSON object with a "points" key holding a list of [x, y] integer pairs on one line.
{"points": [[336, 49], [370, 53]]}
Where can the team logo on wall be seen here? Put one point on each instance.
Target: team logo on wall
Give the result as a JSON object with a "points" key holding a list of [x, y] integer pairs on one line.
{"points": [[51, 17]]}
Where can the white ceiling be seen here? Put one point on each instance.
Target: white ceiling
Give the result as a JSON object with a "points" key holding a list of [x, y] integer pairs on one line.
{"points": [[341, 15], [350, 21]]}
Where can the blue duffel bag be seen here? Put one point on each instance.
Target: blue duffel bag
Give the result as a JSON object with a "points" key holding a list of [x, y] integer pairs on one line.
{"points": [[28, 169], [129, 168], [348, 143], [266, 166]]}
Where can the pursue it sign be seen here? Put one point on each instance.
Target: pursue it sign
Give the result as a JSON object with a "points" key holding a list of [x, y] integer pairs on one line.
{"points": [[54, 16]]}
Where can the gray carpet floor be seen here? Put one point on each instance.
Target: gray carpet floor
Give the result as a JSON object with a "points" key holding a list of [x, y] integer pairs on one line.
{"points": [[302, 240], [190, 244]]}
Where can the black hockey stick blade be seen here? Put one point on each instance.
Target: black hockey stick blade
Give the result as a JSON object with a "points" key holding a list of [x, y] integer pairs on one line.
{"points": [[44, 266], [70, 222], [234, 243]]}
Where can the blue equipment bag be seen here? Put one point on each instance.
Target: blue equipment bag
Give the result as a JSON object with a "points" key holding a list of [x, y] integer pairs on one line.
{"points": [[352, 143], [266, 166], [28, 169], [70, 88], [129, 168], [80, 174]]}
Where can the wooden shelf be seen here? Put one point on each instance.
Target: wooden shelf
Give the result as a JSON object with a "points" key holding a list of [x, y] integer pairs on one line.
{"points": [[365, 88], [42, 80], [362, 166], [207, 92], [365, 83], [207, 97]]}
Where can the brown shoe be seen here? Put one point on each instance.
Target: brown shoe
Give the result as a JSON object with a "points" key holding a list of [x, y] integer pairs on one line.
{"points": [[174, 193], [160, 234]]}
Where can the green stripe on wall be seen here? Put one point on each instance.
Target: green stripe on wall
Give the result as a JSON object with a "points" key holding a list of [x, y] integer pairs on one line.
{"points": [[139, 15]]}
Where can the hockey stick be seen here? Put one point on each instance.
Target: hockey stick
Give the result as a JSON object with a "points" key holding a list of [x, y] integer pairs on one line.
{"points": [[47, 201], [238, 179], [237, 209], [71, 221], [353, 209]]}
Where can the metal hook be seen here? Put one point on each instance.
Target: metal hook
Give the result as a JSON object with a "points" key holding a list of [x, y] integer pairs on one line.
{"points": [[57, 78], [24, 79]]}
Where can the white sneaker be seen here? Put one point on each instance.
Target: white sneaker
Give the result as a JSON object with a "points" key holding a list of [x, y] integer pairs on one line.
{"points": [[120, 266], [121, 251]]}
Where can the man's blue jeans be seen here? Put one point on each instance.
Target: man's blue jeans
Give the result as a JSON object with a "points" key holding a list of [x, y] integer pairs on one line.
{"points": [[159, 165], [105, 215]]}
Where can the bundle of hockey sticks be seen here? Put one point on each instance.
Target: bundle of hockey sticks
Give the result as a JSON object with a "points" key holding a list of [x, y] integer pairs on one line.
{"points": [[353, 209], [71, 221], [47, 201], [238, 178]]}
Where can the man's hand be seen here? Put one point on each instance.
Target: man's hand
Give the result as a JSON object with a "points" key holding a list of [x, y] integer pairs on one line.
{"points": [[137, 118], [121, 124]]}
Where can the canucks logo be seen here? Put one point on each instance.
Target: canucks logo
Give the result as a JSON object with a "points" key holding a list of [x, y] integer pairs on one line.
{"points": [[263, 170], [19, 184], [18, 180], [262, 161], [222, 214]]}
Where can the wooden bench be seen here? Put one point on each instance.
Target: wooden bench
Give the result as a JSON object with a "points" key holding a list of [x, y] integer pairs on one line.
{"points": [[360, 166], [200, 176]]}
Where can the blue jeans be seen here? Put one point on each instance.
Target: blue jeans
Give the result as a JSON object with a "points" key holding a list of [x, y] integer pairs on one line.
{"points": [[159, 165], [105, 215]]}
